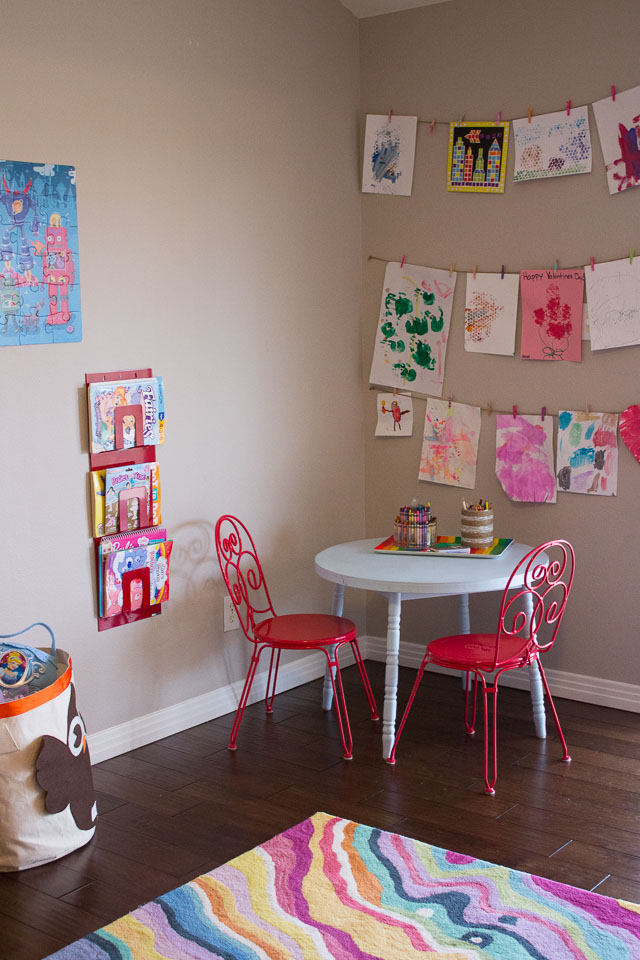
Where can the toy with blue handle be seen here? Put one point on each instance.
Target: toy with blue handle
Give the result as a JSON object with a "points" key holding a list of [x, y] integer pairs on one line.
{"points": [[25, 670]]}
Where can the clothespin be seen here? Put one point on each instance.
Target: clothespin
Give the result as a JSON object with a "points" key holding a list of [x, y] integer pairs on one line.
{"points": [[502, 272], [530, 112], [555, 266], [460, 121], [568, 108], [543, 413], [451, 268], [515, 411], [592, 264], [450, 401], [499, 119], [586, 409], [390, 115], [395, 390], [613, 92], [402, 264], [432, 126], [632, 254], [489, 409], [475, 270]]}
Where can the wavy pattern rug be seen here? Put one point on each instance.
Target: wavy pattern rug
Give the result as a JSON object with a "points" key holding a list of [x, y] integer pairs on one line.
{"points": [[331, 888]]}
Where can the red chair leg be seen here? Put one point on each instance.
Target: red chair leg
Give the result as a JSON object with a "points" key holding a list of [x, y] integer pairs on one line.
{"points": [[251, 672], [470, 727], [271, 687], [340, 702], [565, 755], [493, 691], [392, 756], [365, 680]]}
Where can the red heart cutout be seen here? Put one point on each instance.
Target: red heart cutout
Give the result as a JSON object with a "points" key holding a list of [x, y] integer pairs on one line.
{"points": [[630, 429]]}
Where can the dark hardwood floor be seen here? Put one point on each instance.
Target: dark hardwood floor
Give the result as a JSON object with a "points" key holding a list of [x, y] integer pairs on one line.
{"points": [[179, 807]]}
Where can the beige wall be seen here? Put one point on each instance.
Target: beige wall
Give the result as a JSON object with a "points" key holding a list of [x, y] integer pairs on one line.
{"points": [[219, 217], [474, 59]]}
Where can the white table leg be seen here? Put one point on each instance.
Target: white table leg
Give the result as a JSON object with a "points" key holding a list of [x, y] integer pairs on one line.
{"points": [[535, 684], [336, 610], [464, 626], [391, 673]]}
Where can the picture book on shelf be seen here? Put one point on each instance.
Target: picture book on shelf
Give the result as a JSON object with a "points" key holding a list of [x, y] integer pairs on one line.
{"points": [[154, 558], [119, 542], [139, 486], [97, 479], [105, 396]]}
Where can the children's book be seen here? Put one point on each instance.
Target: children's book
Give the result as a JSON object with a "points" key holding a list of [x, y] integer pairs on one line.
{"points": [[105, 396], [137, 539], [448, 547], [152, 562], [97, 502], [137, 488]]}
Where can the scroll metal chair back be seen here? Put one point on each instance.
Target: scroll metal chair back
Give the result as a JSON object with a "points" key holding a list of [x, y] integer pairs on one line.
{"points": [[533, 604], [244, 578]]}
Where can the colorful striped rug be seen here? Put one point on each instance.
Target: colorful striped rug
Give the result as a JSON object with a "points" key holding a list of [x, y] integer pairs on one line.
{"points": [[331, 888]]}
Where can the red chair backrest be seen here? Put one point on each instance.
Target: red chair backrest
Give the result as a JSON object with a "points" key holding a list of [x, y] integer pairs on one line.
{"points": [[547, 572], [242, 573]]}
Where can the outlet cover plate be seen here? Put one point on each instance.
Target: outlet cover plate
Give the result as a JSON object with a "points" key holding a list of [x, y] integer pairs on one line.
{"points": [[230, 620]]}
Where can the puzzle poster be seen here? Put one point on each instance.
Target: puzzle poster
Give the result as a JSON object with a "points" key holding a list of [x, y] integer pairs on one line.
{"points": [[39, 276]]}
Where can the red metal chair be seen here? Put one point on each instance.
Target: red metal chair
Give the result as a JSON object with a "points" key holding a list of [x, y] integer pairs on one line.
{"points": [[546, 574], [243, 575]]}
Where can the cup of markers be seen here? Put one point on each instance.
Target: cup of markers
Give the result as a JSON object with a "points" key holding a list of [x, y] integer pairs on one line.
{"points": [[415, 528], [476, 524]]}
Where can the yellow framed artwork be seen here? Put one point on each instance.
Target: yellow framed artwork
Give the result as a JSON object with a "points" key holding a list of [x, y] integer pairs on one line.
{"points": [[477, 157]]}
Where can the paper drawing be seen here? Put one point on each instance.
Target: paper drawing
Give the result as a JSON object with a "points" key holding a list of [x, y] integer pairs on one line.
{"points": [[477, 157], [551, 314], [618, 124], [411, 339], [39, 275], [552, 145], [587, 457], [490, 313], [450, 443], [395, 415], [524, 458], [389, 152], [613, 297]]}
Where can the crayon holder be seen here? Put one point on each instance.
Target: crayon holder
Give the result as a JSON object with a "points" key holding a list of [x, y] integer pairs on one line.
{"points": [[414, 536], [476, 528]]}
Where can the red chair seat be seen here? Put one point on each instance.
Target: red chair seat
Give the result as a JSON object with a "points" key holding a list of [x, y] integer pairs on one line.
{"points": [[469, 651], [305, 630]]}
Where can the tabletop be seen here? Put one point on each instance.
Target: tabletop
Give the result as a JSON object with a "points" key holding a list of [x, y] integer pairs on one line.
{"points": [[356, 564]]}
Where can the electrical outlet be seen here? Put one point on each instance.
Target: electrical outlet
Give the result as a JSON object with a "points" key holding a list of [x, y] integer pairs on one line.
{"points": [[230, 615]]}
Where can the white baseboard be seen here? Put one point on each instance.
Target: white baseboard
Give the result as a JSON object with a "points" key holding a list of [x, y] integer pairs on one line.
{"points": [[573, 686], [163, 723]]}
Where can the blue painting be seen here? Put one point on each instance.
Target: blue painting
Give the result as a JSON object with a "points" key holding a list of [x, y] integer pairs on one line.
{"points": [[39, 275]]}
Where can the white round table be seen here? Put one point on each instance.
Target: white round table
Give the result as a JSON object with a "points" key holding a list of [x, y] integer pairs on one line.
{"points": [[401, 577]]}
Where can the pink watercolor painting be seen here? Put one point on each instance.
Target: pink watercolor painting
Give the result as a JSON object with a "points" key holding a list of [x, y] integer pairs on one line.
{"points": [[524, 458], [450, 443], [551, 314], [618, 121]]}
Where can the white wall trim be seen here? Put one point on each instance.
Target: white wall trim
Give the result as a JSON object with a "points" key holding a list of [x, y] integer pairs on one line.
{"points": [[163, 723]]}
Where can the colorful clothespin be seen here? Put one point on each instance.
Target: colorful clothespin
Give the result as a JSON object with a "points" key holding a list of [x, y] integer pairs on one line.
{"points": [[390, 115], [515, 411], [499, 120], [568, 108], [555, 266], [543, 413], [475, 270], [613, 92], [632, 254], [432, 126], [593, 266], [530, 113], [502, 272], [451, 269], [489, 409], [450, 401], [402, 264]]}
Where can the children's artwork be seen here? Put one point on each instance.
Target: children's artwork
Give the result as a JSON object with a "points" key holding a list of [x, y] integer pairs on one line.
{"points": [[490, 313], [630, 429], [40, 277], [389, 152], [618, 126], [395, 415], [587, 459], [524, 458], [105, 396], [552, 145], [613, 297], [450, 444], [477, 157], [153, 558], [413, 328], [551, 314]]}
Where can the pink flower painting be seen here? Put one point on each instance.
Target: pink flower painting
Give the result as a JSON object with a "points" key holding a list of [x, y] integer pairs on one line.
{"points": [[552, 314]]}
